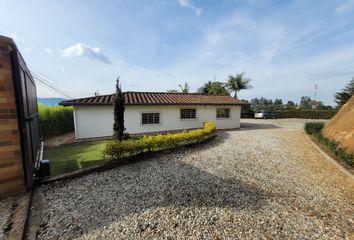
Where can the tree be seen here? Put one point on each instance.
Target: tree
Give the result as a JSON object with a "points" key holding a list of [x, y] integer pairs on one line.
{"points": [[214, 88], [184, 87], [342, 97], [290, 105], [238, 82], [261, 104], [278, 104], [306, 102], [118, 126]]}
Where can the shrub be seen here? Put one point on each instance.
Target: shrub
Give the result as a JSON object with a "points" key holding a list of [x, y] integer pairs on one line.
{"points": [[314, 129], [147, 143], [55, 120], [309, 114]]}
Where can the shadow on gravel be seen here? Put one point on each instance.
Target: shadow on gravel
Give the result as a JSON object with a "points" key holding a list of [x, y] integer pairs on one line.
{"points": [[255, 126], [139, 187]]}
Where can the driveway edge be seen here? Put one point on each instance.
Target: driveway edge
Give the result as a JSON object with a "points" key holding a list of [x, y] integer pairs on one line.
{"points": [[330, 159]]}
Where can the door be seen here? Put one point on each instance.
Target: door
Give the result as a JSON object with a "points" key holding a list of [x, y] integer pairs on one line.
{"points": [[27, 110]]}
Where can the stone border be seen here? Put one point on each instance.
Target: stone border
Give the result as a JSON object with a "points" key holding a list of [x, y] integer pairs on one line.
{"points": [[120, 162]]}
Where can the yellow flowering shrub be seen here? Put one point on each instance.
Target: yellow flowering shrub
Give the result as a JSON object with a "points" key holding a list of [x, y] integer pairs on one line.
{"points": [[148, 143]]}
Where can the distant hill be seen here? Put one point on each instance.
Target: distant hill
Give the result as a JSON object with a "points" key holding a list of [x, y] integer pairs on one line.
{"points": [[50, 101]]}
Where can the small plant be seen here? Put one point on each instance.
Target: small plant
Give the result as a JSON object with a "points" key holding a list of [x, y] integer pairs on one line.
{"points": [[314, 127], [148, 143]]}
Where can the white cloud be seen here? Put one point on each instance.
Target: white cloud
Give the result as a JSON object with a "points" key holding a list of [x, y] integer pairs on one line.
{"points": [[84, 50], [344, 7], [48, 50], [189, 4]]}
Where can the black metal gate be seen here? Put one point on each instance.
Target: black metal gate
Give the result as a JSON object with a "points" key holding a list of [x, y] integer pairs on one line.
{"points": [[27, 110]]}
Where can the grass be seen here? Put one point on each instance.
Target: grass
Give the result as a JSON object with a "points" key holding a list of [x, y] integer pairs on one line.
{"points": [[70, 157]]}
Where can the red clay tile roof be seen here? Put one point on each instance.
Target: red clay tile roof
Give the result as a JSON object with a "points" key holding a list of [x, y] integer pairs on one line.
{"points": [[157, 98]]}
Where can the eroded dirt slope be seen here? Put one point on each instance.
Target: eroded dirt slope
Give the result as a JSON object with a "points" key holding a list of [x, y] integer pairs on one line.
{"points": [[341, 127]]}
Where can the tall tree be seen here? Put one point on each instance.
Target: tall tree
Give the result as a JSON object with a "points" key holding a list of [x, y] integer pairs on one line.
{"points": [[184, 88], [290, 105], [342, 97], [278, 104], [118, 126], [306, 102], [238, 82], [214, 88]]}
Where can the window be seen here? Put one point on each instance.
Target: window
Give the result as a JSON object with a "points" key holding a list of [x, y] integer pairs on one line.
{"points": [[223, 113], [150, 118], [188, 113]]}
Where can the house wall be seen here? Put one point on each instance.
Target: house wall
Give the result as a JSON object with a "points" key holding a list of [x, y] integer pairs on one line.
{"points": [[11, 169], [97, 121]]}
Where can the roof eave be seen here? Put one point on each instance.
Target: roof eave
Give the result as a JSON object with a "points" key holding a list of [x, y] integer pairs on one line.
{"points": [[65, 104]]}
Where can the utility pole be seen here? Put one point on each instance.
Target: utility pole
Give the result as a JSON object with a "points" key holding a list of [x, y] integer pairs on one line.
{"points": [[315, 94]]}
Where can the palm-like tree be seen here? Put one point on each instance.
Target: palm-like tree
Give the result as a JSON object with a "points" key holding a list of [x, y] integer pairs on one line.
{"points": [[214, 88], [205, 88], [238, 82], [184, 87]]}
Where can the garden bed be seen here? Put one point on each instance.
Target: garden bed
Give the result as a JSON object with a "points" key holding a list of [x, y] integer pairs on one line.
{"points": [[82, 155]]}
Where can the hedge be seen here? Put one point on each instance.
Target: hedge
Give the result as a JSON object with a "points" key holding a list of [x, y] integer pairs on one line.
{"points": [[310, 114], [313, 127], [55, 120], [148, 143], [315, 130]]}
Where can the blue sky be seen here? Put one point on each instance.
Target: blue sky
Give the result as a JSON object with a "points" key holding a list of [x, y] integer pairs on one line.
{"points": [[286, 47]]}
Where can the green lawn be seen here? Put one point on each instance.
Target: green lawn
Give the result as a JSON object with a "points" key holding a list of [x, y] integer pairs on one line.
{"points": [[70, 157]]}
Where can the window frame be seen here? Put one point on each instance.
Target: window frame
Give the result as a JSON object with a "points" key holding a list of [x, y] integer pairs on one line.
{"points": [[188, 119], [218, 117], [149, 124]]}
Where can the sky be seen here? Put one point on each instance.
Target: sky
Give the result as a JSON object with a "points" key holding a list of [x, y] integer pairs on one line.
{"points": [[285, 47]]}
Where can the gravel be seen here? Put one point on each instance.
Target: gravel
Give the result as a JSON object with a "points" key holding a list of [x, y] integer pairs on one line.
{"points": [[5, 214], [266, 181]]}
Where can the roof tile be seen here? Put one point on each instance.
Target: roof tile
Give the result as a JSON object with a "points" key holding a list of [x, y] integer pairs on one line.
{"points": [[157, 98]]}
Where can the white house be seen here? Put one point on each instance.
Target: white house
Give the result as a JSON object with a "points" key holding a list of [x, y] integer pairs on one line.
{"points": [[147, 112]]}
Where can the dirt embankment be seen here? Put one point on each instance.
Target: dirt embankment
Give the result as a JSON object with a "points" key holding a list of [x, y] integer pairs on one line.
{"points": [[341, 127]]}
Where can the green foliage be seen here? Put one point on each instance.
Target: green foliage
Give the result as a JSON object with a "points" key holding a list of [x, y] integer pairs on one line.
{"points": [[314, 129], [118, 125], [55, 120], [184, 88], [342, 97], [305, 102], [308, 114], [147, 143], [214, 88], [262, 104], [238, 82]]}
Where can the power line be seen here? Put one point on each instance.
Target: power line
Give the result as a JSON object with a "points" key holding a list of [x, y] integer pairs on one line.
{"points": [[50, 83], [46, 77], [51, 86], [45, 90]]}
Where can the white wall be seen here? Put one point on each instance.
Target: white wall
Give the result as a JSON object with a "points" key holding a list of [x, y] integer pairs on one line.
{"points": [[97, 121]]}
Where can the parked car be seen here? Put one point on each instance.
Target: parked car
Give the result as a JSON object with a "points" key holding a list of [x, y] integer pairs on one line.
{"points": [[264, 114]]}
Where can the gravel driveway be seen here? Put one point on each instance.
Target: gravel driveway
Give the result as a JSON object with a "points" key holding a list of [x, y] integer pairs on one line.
{"points": [[266, 181]]}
